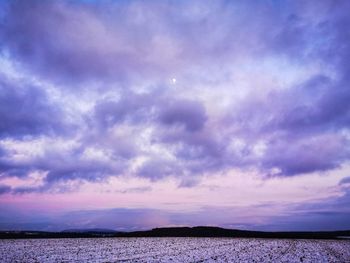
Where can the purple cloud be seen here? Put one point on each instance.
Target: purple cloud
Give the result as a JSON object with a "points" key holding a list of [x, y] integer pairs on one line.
{"points": [[87, 91], [345, 180], [191, 114], [305, 155], [4, 189], [25, 110], [49, 45]]}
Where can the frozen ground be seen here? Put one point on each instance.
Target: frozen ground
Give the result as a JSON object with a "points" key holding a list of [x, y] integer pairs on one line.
{"points": [[174, 250]]}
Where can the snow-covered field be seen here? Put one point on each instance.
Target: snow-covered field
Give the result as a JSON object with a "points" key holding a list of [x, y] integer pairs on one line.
{"points": [[174, 250]]}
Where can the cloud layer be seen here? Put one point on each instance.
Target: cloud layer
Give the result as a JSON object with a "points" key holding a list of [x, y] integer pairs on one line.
{"points": [[183, 90]]}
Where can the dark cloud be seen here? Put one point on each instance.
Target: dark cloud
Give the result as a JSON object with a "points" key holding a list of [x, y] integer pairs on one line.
{"points": [[305, 155], [149, 107], [4, 189], [318, 104], [188, 182], [345, 180], [130, 107], [190, 114], [156, 169], [199, 152], [75, 165], [25, 110]]}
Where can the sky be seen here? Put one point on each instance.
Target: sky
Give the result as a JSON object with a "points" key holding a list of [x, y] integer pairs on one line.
{"points": [[138, 114]]}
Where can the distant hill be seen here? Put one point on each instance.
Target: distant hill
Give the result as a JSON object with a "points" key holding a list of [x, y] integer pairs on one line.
{"points": [[203, 231], [199, 231], [90, 230]]}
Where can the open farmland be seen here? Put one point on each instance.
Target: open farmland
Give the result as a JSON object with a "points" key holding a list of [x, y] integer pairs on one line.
{"points": [[173, 250]]}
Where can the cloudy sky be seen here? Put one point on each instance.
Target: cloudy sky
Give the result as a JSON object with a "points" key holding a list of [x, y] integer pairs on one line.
{"points": [[135, 114]]}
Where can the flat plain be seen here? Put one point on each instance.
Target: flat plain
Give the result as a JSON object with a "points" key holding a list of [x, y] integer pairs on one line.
{"points": [[173, 250]]}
